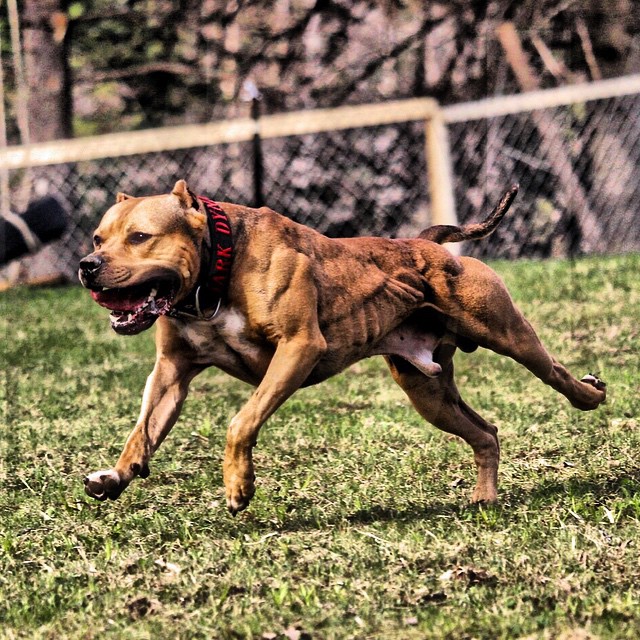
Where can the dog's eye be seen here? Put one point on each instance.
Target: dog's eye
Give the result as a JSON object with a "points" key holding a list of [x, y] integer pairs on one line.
{"points": [[97, 241], [138, 237]]}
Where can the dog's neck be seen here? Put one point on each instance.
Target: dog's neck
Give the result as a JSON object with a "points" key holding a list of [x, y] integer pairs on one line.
{"points": [[204, 300]]}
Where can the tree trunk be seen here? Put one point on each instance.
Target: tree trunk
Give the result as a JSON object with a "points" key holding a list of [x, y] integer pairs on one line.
{"points": [[45, 42]]}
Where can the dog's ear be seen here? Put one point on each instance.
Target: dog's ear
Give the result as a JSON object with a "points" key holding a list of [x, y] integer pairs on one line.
{"points": [[195, 218], [122, 196], [186, 197]]}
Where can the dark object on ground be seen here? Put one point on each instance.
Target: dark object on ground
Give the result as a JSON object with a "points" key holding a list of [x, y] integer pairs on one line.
{"points": [[47, 220]]}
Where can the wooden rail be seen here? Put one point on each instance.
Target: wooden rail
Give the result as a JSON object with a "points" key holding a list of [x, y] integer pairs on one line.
{"points": [[295, 123]]}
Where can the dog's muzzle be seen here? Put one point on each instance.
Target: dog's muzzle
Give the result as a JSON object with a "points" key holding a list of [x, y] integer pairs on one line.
{"points": [[90, 267], [134, 307]]}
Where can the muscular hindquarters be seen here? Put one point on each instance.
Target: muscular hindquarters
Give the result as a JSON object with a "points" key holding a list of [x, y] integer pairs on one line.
{"points": [[479, 307]]}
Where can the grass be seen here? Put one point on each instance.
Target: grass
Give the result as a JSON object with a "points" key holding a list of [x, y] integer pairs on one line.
{"points": [[360, 527]]}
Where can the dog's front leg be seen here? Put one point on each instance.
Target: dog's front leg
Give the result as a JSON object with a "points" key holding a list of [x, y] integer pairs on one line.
{"points": [[290, 366], [162, 401]]}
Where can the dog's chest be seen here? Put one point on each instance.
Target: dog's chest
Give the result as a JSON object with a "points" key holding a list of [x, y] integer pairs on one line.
{"points": [[224, 342]]}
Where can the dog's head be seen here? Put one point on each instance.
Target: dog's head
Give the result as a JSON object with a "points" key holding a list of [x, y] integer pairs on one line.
{"points": [[146, 257]]}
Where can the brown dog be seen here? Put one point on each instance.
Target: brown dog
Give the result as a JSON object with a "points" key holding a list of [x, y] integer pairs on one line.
{"points": [[281, 306]]}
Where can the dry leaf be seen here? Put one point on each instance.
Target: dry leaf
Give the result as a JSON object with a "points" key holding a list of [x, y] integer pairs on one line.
{"points": [[142, 606], [472, 575], [292, 633], [170, 567]]}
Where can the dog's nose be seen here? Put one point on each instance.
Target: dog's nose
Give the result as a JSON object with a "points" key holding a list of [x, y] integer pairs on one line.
{"points": [[90, 265]]}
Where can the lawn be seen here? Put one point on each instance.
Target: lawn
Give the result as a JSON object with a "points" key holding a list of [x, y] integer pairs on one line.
{"points": [[360, 527]]}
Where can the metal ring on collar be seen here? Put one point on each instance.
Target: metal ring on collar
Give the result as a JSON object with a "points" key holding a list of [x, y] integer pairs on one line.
{"points": [[199, 310]]}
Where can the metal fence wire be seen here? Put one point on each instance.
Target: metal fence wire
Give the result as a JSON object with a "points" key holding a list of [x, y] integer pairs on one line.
{"points": [[579, 172], [578, 167]]}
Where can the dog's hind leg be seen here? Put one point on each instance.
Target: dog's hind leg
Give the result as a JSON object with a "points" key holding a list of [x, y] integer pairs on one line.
{"points": [[438, 401], [483, 311]]}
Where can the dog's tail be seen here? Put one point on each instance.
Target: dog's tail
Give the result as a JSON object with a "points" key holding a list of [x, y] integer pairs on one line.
{"points": [[448, 233]]}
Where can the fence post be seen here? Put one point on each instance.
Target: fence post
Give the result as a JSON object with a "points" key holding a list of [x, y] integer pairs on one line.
{"points": [[439, 174], [258, 165]]}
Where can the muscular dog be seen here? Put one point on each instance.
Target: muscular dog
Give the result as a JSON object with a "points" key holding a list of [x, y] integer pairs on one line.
{"points": [[280, 306]]}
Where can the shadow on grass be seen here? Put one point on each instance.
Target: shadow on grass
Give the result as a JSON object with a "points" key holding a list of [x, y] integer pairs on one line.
{"points": [[301, 522], [596, 490], [625, 481]]}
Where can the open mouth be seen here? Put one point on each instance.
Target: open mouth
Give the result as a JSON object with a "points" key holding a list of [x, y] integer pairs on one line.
{"points": [[136, 308]]}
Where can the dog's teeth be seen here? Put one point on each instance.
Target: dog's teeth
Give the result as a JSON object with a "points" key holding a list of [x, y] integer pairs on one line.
{"points": [[152, 297], [129, 317]]}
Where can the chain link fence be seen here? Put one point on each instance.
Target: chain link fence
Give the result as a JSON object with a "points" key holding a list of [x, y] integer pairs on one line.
{"points": [[579, 172], [578, 167]]}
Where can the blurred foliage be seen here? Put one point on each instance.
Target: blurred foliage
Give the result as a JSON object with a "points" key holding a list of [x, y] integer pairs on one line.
{"points": [[146, 63]]}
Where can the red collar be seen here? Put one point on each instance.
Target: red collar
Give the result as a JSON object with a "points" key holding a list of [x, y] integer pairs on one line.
{"points": [[204, 300], [221, 258]]}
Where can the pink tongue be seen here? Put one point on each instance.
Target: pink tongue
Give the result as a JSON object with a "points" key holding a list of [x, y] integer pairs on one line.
{"points": [[118, 300]]}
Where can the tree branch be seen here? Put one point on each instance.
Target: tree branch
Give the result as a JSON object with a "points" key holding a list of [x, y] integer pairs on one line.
{"points": [[171, 68], [587, 48], [339, 95]]}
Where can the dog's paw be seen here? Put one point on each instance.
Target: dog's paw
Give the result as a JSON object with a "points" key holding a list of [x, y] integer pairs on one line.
{"points": [[104, 484], [484, 495], [591, 393], [239, 492], [594, 381]]}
